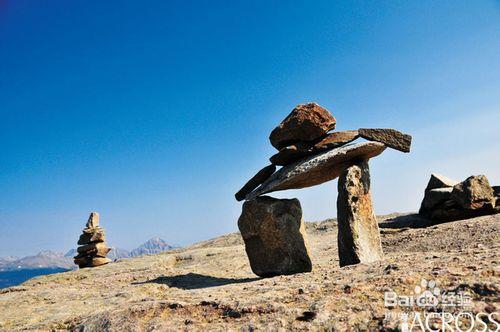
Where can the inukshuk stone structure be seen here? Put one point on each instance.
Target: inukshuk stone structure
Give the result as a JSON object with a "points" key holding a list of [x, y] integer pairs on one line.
{"points": [[93, 248], [310, 154]]}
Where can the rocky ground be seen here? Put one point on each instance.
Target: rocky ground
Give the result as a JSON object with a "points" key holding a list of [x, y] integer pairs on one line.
{"points": [[210, 285]]}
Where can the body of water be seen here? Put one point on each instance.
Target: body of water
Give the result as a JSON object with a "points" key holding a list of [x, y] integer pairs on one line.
{"points": [[16, 277]]}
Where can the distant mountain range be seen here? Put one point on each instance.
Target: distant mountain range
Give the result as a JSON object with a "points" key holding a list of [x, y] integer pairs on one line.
{"points": [[50, 259]]}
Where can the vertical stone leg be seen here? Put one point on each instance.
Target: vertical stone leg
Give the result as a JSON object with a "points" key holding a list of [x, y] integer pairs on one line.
{"points": [[358, 236], [274, 235]]}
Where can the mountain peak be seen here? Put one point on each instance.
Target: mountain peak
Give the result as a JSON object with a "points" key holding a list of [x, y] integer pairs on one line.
{"points": [[155, 245]]}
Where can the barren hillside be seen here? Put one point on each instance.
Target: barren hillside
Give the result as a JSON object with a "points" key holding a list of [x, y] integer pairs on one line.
{"points": [[210, 284]]}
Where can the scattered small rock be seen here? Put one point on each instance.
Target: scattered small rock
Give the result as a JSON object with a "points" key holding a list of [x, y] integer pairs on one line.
{"points": [[307, 316]]}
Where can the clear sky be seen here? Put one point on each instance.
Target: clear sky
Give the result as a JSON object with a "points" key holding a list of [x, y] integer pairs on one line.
{"points": [[154, 113]]}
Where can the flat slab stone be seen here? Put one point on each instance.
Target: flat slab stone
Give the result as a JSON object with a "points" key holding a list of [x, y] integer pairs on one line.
{"points": [[90, 235], [358, 235], [319, 168], [299, 150], [390, 137], [274, 234], [255, 181], [89, 261]]}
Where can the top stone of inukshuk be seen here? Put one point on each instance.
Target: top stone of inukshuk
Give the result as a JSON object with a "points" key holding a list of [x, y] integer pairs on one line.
{"points": [[311, 154]]}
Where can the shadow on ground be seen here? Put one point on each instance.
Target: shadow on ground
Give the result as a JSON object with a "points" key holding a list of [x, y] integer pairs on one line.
{"points": [[407, 221], [194, 281]]}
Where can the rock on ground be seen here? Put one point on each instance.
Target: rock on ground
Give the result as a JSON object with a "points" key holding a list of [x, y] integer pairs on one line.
{"points": [[473, 193], [358, 236], [274, 236], [306, 122], [319, 168]]}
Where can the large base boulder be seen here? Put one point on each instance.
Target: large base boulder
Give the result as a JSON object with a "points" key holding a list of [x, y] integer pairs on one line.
{"points": [[274, 235], [358, 233]]}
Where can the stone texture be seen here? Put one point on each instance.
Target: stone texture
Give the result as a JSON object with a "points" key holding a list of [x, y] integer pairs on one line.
{"points": [[288, 155], [436, 181], [358, 233], [446, 200], [390, 137], [293, 153], [274, 236], [439, 181], [255, 181], [319, 168], [93, 220], [91, 235], [473, 193], [306, 122], [336, 139], [89, 261], [496, 191], [435, 197], [93, 249]]}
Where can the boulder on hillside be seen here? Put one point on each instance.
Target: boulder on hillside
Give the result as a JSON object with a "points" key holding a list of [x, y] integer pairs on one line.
{"points": [[274, 236], [473, 193], [446, 200], [439, 181], [306, 122]]}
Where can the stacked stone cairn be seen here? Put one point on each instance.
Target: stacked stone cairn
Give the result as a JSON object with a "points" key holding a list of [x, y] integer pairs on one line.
{"points": [[309, 154], [449, 200], [93, 248]]}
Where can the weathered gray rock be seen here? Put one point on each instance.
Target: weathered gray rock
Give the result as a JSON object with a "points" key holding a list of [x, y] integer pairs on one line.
{"points": [[439, 181], [255, 181], [473, 193], [274, 236], [390, 137], [306, 122], [358, 233], [319, 168], [93, 220], [435, 197], [299, 150]]}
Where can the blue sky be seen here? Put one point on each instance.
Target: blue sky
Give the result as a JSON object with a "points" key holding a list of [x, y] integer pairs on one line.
{"points": [[155, 113]]}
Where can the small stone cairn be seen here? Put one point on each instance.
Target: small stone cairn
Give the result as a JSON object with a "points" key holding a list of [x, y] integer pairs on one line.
{"points": [[448, 200], [310, 154], [93, 249]]}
